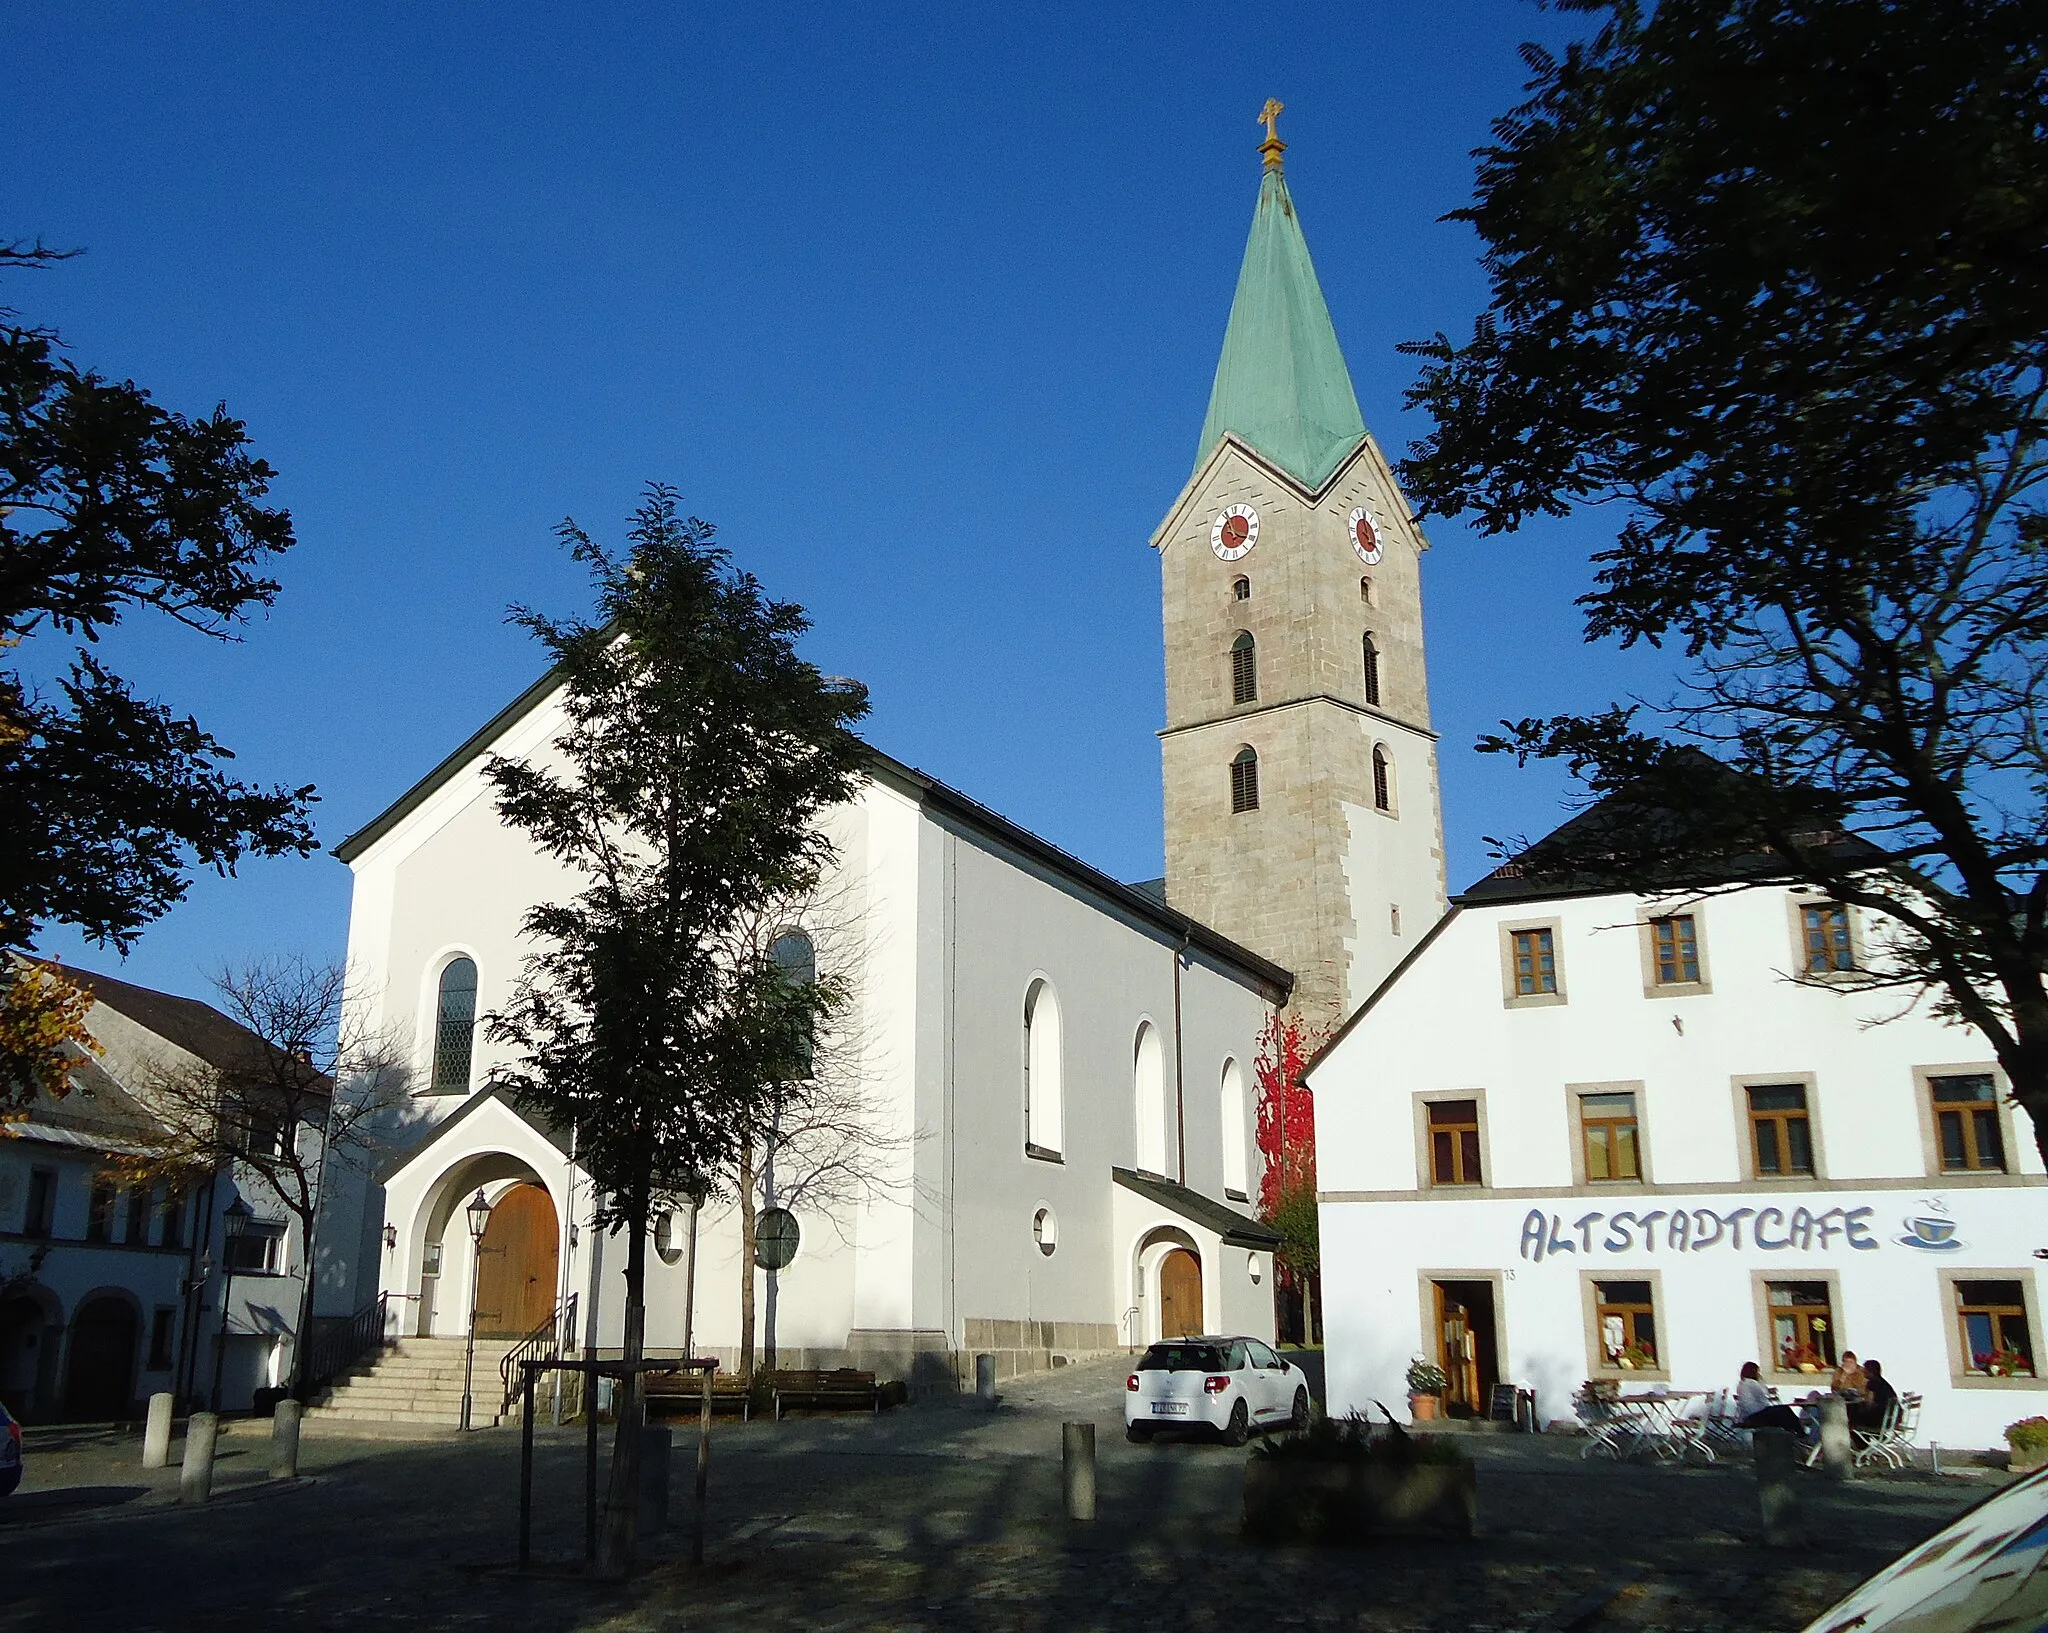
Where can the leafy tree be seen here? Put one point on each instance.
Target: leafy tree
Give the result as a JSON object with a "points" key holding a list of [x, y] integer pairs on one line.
{"points": [[697, 749], [1773, 276], [110, 504], [1285, 1132], [305, 1093]]}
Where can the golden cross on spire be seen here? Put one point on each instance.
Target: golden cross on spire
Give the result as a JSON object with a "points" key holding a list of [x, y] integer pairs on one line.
{"points": [[1272, 147]]}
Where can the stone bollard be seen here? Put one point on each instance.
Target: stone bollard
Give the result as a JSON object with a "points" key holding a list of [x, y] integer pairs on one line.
{"points": [[1777, 1465], [284, 1440], [195, 1477], [985, 1380], [156, 1433], [1837, 1454], [655, 1445], [1078, 1465]]}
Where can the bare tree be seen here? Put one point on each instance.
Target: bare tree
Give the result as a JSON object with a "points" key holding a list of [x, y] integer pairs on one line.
{"points": [[303, 1092]]}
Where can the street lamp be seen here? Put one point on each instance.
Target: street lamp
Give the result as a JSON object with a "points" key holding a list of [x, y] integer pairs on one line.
{"points": [[232, 1224], [479, 1212]]}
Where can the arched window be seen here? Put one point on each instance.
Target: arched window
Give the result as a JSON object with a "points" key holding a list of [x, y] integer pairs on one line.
{"points": [[1148, 1087], [797, 963], [1372, 670], [1244, 668], [455, 1027], [1240, 589], [1366, 593], [1042, 1089], [1236, 1167], [1382, 779], [1244, 781]]}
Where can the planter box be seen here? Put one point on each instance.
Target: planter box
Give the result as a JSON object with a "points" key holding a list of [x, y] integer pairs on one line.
{"points": [[1287, 1501], [2025, 1460]]}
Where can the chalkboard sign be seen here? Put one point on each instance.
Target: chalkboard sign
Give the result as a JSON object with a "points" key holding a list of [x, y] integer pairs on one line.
{"points": [[1504, 1403]]}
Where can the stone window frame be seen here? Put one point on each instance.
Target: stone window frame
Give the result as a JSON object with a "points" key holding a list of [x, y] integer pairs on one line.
{"points": [[1930, 1147], [1244, 784], [1760, 1311], [1589, 1313], [1745, 1147], [1531, 1000], [1425, 1299], [1384, 770], [1425, 1169], [1647, 915], [1795, 902], [1574, 1093], [431, 998], [1959, 1375]]}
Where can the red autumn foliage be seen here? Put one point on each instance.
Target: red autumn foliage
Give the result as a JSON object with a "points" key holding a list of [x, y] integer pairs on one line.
{"points": [[1286, 1112]]}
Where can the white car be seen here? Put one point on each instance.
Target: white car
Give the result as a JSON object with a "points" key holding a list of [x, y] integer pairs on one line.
{"points": [[1227, 1386]]}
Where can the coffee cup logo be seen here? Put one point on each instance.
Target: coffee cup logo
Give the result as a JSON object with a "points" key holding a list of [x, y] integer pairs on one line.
{"points": [[1931, 1232]]}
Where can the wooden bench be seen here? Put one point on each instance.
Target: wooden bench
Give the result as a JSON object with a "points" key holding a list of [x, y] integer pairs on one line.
{"points": [[682, 1393], [842, 1389]]}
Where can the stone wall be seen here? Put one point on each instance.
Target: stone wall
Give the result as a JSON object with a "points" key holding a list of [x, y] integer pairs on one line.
{"points": [[1022, 1347]]}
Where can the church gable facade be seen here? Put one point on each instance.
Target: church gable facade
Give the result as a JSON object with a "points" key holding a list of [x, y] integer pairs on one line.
{"points": [[1026, 1040]]}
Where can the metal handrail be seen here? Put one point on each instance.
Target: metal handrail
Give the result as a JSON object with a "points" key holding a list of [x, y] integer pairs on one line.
{"points": [[545, 1343], [339, 1348]]}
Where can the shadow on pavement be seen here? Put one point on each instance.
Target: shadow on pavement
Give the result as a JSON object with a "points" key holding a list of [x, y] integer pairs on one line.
{"points": [[42, 1504]]}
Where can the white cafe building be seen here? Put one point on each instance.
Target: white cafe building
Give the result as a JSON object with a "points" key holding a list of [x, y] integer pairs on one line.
{"points": [[1582, 1135]]}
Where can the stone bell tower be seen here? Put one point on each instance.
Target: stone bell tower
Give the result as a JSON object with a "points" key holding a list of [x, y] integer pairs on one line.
{"points": [[1302, 813]]}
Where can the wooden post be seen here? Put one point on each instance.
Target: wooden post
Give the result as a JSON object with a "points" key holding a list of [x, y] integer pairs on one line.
{"points": [[590, 1463], [526, 1461], [703, 1464]]}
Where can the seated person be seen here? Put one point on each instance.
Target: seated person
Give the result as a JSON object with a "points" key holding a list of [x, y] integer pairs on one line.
{"points": [[1878, 1398], [1848, 1378], [1754, 1408]]}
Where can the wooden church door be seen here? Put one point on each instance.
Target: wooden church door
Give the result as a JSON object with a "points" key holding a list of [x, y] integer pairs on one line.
{"points": [[1180, 1294], [515, 1278]]}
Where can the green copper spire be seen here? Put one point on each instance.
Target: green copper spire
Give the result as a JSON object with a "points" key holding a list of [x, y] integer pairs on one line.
{"points": [[1281, 384]]}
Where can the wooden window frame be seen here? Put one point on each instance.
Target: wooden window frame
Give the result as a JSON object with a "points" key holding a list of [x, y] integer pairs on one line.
{"points": [[1425, 1162], [1244, 669], [1509, 929], [1575, 1098], [1650, 917], [1597, 1365], [1960, 1374], [1760, 1284], [1244, 780], [1796, 904], [1745, 1121], [1930, 1137], [1241, 588], [1370, 659]]}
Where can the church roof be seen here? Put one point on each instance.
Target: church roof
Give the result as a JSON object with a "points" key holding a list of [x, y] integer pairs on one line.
{"points": [[1281, 384]]}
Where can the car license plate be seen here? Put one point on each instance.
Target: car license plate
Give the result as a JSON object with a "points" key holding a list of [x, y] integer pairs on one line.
{"points": [[1170, 1408]]}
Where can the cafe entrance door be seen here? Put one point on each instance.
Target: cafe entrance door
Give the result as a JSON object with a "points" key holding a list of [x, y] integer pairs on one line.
{"points": [[1467, 1345]]}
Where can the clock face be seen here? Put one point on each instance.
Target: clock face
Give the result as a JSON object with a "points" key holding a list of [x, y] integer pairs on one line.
{"points": [[1235, 532], [1365, 537]]}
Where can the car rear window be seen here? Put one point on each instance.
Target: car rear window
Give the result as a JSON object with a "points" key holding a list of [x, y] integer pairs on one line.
{"points": [[1182, 1358]]}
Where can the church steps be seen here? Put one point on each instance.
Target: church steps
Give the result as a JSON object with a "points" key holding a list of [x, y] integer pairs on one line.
{"points": [[416, 1385]]}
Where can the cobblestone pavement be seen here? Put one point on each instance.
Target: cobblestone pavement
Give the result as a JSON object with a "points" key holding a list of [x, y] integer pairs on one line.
{"points": [[937, 1517]]}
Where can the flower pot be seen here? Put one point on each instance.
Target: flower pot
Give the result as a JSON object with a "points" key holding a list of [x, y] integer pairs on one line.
{"points": [[1421, 1408], [1286, 1500]]}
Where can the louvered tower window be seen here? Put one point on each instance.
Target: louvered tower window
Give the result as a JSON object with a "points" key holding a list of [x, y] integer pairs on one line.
{"points": [[1372, 670], [1244, 668], [1244, 781], [1382, 780]]}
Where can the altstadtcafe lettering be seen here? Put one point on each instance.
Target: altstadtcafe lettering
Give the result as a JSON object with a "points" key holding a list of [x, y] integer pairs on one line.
{"points": [[1695, 1230]]}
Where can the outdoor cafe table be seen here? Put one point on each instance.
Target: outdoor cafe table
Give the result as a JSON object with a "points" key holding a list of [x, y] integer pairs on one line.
{"points": [[1663, 1423]]}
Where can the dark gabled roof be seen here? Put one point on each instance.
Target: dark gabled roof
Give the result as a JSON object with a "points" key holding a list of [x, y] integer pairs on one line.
{"points": [[195, 1027], [1654, 845], [1236, 1229], [477, 1100], [1273, 982]]}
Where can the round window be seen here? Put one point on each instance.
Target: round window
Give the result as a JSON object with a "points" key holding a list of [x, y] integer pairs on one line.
{"points": [[1045, 1231], [1251, 1264], [775, 1238], [666, 1247]]}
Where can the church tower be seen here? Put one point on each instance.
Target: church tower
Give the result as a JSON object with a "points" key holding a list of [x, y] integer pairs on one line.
{"points": [[1302, 813]]}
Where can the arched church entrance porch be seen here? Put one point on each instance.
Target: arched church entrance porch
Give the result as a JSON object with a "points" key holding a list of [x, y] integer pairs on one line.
{"points": [[1172, 1300], [516, 1265]]}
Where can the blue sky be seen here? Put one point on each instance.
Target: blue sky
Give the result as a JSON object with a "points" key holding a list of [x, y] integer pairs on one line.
{"points": [[919, 304]]}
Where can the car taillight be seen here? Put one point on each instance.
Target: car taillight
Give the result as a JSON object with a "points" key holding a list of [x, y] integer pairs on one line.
{"points": [[1214, 1385], [1131, 1382]]}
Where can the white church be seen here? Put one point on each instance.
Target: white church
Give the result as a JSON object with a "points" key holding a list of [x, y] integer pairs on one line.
{"points": [[1058, 1067]]}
